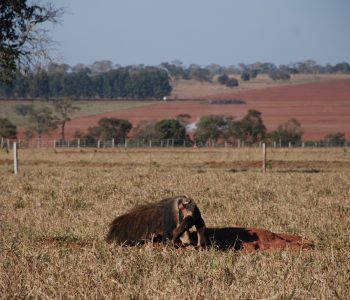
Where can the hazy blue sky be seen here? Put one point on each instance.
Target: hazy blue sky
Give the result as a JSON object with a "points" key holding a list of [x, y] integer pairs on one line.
{"points": [[204, 31]]}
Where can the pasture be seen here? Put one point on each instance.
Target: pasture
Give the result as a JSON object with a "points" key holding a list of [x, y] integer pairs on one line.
{"points": [[54, 216], [86, 108]]}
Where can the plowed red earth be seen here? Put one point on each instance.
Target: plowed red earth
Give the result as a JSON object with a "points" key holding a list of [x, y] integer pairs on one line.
{"points": [[321, 108]]}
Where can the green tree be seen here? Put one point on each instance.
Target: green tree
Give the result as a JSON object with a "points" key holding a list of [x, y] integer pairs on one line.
{"points": [[222, 79], [109, 128], [23, 42], [184, 119], [171, 129], [40, 85], [146, 130], [211, 127], [7, 129], [200, 74], [233, 132], [252, 128], [245, 76], [64, 108], [41, 118], [337, 139], [232, 82], [289, 131], [279, 75]]}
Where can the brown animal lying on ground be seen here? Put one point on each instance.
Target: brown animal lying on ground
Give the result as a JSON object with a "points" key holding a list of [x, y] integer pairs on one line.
{"points": [[168, 221]]}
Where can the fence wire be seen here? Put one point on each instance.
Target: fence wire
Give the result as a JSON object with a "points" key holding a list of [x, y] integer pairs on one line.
{"points": [[151, 143]]}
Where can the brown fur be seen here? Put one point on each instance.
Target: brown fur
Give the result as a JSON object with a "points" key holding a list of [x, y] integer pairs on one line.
{"points": [[157, 221]]}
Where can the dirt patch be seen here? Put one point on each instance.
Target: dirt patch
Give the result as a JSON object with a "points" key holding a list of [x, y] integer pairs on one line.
{"points": [[254, 239]]}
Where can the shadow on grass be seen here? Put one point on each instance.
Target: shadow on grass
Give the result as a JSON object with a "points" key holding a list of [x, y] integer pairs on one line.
{"points": [[299, 171]]}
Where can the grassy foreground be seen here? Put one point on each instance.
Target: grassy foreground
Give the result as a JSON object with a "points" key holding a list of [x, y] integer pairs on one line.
{"points": [[55, 213]]}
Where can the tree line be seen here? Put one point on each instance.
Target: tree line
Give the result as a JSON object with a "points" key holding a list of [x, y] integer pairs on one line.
{"points": [[103, 80], [58, 81], [210, 129]]}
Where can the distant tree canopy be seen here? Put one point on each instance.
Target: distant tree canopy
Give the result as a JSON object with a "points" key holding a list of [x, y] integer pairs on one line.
{"points": [[170, 129], [252, 127], [337, 139], [279, 75], [211, 127], [289, 131], [109, 128], [64, 108], [249, 129], [7, 129], [232, 82], [119, 83], [223, 78], [42, 119], [167, 129]]}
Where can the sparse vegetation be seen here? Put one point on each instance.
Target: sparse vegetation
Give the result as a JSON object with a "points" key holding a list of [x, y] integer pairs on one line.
{"points": [[55, 214]]}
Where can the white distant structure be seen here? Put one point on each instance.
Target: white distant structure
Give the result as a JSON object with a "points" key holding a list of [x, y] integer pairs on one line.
{"points": [[165, 98], [191, 127]]}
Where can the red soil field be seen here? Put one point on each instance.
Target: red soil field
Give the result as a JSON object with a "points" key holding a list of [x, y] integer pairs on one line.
{"points": [[321, 108]]}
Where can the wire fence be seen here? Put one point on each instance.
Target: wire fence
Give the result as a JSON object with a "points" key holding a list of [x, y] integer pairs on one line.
{"points": [[165, 143]]}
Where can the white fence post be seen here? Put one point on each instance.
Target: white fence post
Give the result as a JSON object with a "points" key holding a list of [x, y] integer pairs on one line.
{"points": [[15, 158], [264, 158]]}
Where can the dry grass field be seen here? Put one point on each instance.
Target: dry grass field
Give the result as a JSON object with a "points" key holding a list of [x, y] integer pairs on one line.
{"points": [[55, 213], [86, 108]]}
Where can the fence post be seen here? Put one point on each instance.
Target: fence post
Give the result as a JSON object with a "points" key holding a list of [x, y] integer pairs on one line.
{"points": [[98, 143], [274, 144], [264, 158], [54, 144], [126, 143], [2, 143], [78, 143], [303, 144], [113, 143], [150, 143], [290, 144], [15, 158]]}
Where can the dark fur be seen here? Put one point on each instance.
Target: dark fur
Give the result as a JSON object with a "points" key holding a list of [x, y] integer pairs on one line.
{"points": [[160, 220]]}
